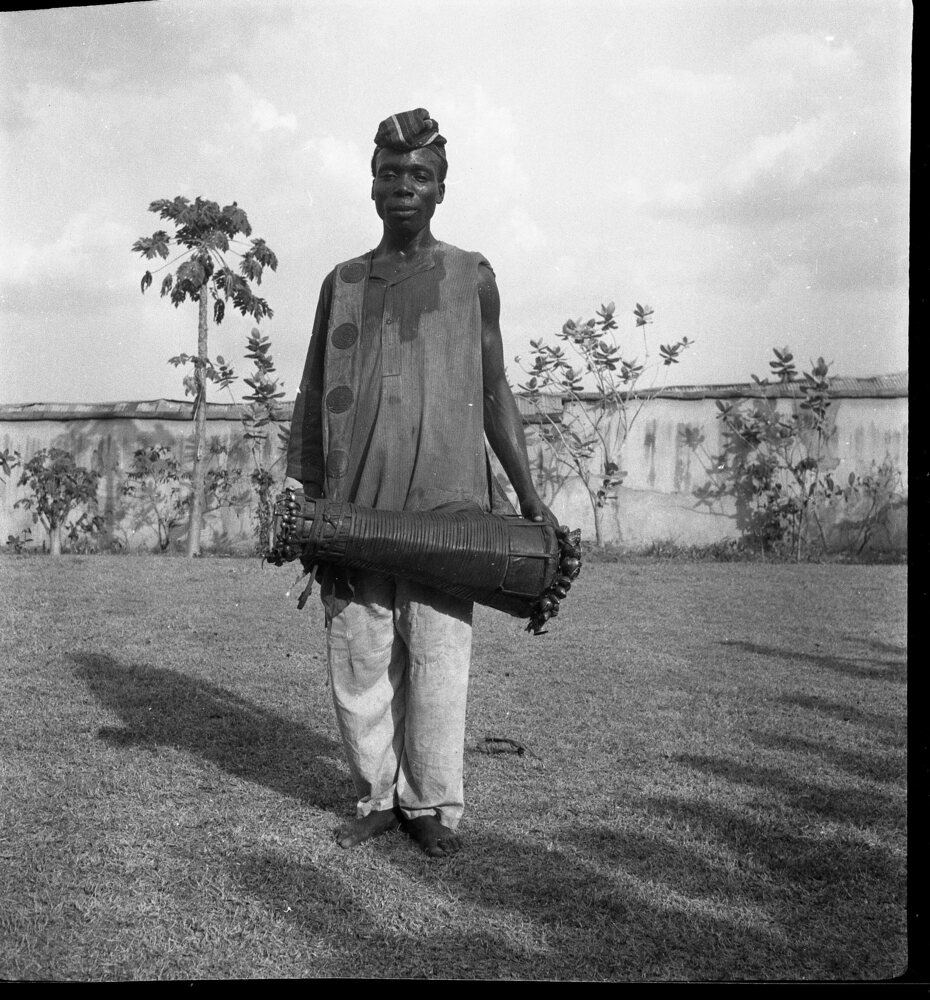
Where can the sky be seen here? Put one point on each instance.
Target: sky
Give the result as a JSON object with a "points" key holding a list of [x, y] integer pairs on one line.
{"points": [[742, 166]]}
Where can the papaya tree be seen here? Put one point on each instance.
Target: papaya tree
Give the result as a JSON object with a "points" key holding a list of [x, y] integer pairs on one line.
{"points": [[206, 235]]}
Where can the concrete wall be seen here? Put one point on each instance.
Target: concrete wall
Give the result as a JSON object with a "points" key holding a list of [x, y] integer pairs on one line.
{"points": [[655, 503], [107, 446]]}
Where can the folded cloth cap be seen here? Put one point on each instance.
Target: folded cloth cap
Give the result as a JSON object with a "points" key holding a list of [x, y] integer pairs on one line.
{"points": [[410, 130]]}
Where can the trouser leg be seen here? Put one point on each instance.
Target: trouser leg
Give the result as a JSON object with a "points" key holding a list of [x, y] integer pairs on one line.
{"points": [[436, 630], [367, 667]]}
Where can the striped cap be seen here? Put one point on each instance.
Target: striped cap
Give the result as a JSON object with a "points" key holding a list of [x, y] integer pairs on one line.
{"points": [[410, 130]]}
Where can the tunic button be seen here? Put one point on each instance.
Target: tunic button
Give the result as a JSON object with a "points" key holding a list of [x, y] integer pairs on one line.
{"points": [[337, 463], [345, 335], [352, 273], [338, 400]]}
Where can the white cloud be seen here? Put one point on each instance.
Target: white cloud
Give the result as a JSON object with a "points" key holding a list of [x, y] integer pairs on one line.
{"points": [[798, 60], [340, 158], [265, 116], [791, 151], [686, 84], [523, 233], [90, 248], [651, 165], [778, 114], [492, 152], [262, 113], [680, 197], [789, 155]]}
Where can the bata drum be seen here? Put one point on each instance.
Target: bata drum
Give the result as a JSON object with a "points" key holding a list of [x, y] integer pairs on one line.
{"points": [[520, 567]]}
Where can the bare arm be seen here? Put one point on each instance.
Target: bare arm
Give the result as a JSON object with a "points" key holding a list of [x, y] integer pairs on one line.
{"points": [[503, 424]]}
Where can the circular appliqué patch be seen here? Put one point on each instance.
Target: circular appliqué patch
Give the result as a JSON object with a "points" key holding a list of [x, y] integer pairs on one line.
{"points": [[337, 463], [352, 273], [338, 400], [345, 335]]}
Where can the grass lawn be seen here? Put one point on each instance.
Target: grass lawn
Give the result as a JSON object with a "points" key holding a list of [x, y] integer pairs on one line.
{"points": [[715, 789]]}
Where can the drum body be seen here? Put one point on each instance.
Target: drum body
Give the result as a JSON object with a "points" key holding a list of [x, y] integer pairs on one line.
{"points": [[508, 563]]}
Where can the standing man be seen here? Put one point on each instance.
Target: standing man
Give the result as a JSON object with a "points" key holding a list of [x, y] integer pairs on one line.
{"points": [[404, 379]]}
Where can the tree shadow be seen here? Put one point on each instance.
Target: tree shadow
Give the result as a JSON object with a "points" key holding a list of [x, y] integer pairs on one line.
{"points": [[796, 858], [162, 707], [839, 804], [594, 902], [575, 920], [888, 670], [875, 721], [882, 647], [598, 902], [355, 936], [884, 767]]}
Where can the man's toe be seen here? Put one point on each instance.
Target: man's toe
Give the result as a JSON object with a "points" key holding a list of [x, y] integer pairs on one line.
{"points": [[449, 845], [436, 840], [345, 837]]}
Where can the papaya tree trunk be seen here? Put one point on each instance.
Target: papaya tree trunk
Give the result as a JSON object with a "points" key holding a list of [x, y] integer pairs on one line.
{"points": [[200, 424], [54, 540]]}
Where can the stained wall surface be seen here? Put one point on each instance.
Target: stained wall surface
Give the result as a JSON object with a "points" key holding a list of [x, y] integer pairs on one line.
{"points": [[668, 454]]}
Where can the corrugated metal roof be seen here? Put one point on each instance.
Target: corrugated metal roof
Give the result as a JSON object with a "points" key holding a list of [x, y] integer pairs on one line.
{"points": [[871, 387]]}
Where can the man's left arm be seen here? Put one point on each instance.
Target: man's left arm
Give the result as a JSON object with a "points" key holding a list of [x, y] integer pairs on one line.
{"points": [[503, 424]]}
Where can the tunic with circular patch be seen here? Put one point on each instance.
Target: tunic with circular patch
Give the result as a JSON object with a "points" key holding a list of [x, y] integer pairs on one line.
{"points": [[390, 408]]}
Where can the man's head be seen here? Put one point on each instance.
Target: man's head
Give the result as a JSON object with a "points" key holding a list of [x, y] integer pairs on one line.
{"points": [[408, 170], [406, 190], [407, 131]]}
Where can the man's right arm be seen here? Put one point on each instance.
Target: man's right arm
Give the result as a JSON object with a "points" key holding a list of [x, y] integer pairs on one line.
{"points": [[305, 460]]}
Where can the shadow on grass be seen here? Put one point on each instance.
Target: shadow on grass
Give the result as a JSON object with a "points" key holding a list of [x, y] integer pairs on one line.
{"points": [[355, 936], [726, 893], [885, 767], [821, 865], [601, 904], [839, 804], [889, 670], [161, 707], [881, 647], [519, 909], [873, 721]]}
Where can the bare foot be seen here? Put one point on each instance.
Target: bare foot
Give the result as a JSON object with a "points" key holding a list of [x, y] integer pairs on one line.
{"points": [[437, 840], [357, 831]]}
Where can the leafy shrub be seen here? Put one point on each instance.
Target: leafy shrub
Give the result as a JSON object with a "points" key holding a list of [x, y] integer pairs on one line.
{"points": [[778, 468], [64, 497], [586, 441], [157, 490]]}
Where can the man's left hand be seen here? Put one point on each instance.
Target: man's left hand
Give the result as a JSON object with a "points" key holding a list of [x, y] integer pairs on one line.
{"points": [[535, 510]]}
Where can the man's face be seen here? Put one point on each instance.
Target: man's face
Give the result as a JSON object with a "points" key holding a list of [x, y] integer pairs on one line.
{"points": [[406, 189]]}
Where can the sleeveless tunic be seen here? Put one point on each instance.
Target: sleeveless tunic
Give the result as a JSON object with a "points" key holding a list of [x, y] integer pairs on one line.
{"points": [[390, 409]]}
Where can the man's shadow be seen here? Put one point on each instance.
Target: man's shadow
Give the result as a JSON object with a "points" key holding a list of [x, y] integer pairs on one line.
{"points": [[162, 707]]}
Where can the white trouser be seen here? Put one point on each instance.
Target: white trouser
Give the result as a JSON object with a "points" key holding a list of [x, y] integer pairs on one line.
{"points": [[398, 663]]}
